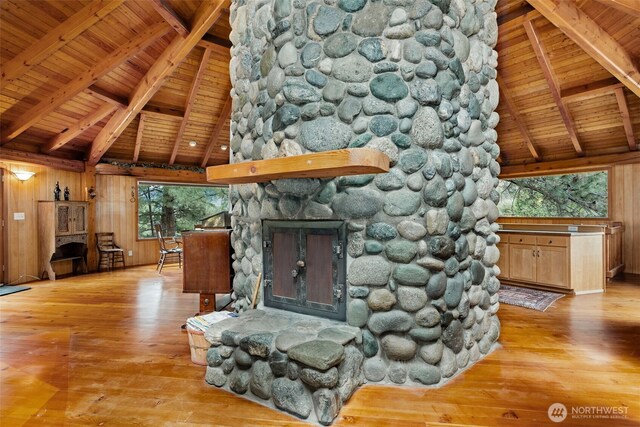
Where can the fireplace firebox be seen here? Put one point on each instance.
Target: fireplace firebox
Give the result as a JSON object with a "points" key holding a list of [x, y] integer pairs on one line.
{"points": [[305, 267]]}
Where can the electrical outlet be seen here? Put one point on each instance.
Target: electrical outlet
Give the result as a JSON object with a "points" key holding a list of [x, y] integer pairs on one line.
{"points": [[130, 253], [18, 216]]}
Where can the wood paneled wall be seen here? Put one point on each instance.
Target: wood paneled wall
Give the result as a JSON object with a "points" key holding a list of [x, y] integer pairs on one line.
{"points": [[22, 235], [114, 212], [117, 213], [624, 207]]}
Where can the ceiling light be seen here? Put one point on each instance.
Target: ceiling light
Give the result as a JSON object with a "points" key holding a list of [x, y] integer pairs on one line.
{"points": [[192, 143], [223, 147], [23, 175]]}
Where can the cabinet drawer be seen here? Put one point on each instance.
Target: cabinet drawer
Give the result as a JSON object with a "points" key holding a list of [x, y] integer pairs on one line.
{"points": [[522, 239], [562, 241]]}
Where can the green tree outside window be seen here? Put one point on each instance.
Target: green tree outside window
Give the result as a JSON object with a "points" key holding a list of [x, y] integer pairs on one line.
{"points": [[578, 195], [176, 207]]}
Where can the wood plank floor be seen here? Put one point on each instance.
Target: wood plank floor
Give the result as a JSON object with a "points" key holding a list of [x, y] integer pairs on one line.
{"points": [[107, 349]]}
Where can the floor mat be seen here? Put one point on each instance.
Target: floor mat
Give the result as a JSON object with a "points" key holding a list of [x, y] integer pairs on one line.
{"points": [[534, 299], [7, 290]]}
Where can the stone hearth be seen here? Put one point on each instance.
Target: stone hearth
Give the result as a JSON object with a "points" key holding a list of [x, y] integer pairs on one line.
{"points": [[414, 79]]}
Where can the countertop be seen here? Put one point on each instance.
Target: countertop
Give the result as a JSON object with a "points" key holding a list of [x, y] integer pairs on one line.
{"points": [[555, 233]]}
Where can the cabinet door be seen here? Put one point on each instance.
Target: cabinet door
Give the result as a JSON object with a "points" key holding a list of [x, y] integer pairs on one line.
{"points": [[522, 262], [553, 266], [79, 218], [63, 219], [503, 262]]}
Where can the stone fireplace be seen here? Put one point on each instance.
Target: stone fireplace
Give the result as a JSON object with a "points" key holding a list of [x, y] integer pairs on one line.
{"points": [[414, 79]]}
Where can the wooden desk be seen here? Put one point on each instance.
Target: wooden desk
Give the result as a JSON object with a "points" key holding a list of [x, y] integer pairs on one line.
{"points": [[207, 265]]}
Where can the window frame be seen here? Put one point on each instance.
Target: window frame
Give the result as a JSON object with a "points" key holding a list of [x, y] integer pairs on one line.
{"points": [[569, 219], [173, 183]]}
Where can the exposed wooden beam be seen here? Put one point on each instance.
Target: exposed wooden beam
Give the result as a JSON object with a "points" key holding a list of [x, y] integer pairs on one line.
{"points": [[12, 155], [513, 111], [77, 129], [169, 15], [222, 119], [136, 150], [630, 7], [626, 119], [209, 39], [515, 14], [598, 88], [516, 21], [596, 42], [545, 64], [164, 112], [153, 174], [84, 80], [56, 38], [121, 102], [191, 98], [164, 66], [105, 96], [582, 164]]}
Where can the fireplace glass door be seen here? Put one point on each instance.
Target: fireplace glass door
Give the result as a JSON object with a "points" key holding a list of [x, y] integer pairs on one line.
{"points": [[305, 267]]}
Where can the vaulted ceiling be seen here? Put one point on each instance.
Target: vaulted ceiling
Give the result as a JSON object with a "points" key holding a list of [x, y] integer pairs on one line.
{"points": [[138, 80]]}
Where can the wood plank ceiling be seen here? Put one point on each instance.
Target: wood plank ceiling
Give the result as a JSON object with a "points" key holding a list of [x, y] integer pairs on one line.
{"points": [[138, 80]]}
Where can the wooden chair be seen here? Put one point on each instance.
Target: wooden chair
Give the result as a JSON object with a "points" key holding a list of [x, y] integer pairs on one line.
{"points": [[169, 248], [109, 253]]}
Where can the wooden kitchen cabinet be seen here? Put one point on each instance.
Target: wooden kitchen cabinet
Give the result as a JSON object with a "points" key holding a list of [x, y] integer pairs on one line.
{"points": [[572, 262], [522, 262], [503, 262]]}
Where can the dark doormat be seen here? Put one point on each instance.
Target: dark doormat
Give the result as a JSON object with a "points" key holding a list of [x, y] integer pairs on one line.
{"points": [[7, 290], [528, 298]]}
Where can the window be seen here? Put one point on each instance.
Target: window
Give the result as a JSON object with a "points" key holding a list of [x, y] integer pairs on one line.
{"points": [[578, 195], [176, 207]]}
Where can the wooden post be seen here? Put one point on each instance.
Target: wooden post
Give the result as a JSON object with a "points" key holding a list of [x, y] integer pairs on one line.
{"points": [[89, 181]]}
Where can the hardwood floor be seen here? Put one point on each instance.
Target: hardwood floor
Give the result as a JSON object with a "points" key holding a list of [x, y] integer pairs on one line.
{"points": [[107, 349]]}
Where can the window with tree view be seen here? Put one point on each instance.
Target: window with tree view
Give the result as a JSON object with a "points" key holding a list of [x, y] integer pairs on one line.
{"points": [[176, 207], [578, 195]]}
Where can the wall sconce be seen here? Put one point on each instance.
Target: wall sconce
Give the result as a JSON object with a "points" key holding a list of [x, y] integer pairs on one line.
{"points": [[23, 175], [91, 192]]}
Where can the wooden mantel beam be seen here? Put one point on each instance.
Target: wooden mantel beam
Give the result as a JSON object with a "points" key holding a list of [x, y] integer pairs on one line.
{"points": [[545, 64], [596, 42], [56, 38], [626, 119], [12, 155], [513, 111], [325, 164], [582, 164], [222, 119], [77, 129], [164, 66], [191, 99], [83, 81], [168, 14]]}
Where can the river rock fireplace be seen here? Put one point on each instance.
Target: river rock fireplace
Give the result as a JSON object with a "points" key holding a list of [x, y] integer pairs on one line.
{"points": [[414, 79]]}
